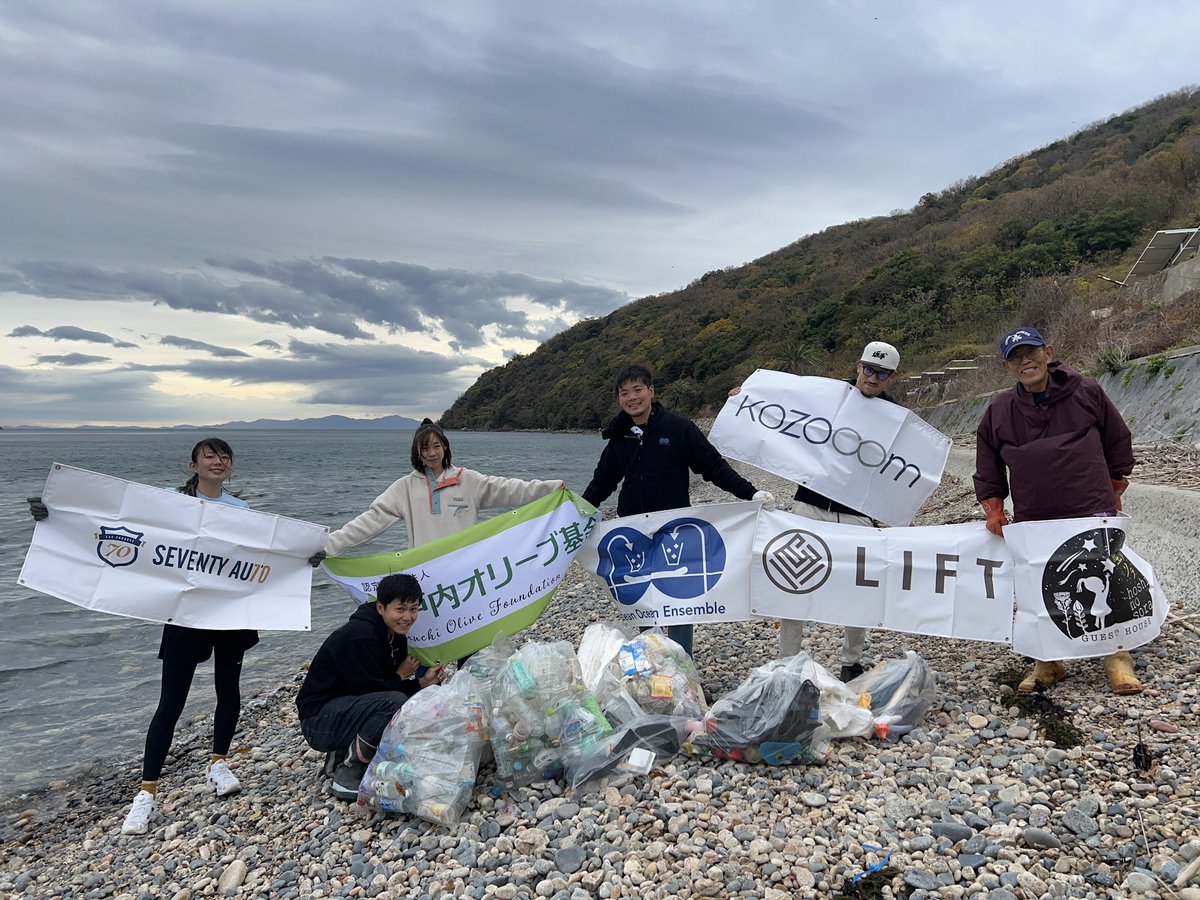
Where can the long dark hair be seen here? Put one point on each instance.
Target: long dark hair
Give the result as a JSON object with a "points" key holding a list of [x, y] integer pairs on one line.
{"points": [[217, 446], [425, 431]]}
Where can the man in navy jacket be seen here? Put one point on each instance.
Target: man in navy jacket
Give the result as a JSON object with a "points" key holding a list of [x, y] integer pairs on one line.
{"points": [[651, 452], [359, 678]]}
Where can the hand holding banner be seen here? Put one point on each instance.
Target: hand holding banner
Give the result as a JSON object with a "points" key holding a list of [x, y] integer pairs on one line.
{"points": [[868, 454]]}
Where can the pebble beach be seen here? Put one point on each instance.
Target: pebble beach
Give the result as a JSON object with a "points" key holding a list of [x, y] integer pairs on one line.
{"points": [[977, 801]]}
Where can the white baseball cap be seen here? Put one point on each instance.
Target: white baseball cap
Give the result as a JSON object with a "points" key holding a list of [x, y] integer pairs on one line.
{"points": [[881, 356]]}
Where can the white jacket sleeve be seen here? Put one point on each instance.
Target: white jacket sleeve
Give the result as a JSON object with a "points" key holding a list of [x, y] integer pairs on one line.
{"points": [[383, 513], [496, 491]]}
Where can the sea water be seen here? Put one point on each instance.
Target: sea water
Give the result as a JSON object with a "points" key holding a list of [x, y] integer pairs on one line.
{"points": [[78, 687]]}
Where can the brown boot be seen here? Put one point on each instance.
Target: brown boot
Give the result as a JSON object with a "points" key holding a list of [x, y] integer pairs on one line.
{"points": [[1119, 669], [1042, 677]]}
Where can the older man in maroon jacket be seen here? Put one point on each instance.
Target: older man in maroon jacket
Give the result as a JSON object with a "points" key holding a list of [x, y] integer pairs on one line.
{"points": [[1058, 443]]}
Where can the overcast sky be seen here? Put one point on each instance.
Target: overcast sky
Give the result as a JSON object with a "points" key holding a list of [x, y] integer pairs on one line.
{"points": [[214, 210]]}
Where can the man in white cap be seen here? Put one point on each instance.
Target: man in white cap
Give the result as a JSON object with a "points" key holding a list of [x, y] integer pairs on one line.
{"points": [[876, 369]]}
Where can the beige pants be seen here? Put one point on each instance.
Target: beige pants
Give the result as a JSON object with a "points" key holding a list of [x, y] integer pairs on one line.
{"points": [[791, 632]]}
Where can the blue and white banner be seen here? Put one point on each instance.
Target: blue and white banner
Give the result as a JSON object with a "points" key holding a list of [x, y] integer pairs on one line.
{"points": [[678, 566], [133, 550], [865, 453], [1081, 590], [1076, 587]]}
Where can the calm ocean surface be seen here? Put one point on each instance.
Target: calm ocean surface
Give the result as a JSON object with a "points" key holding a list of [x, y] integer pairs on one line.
{"points": [[77, 687]]}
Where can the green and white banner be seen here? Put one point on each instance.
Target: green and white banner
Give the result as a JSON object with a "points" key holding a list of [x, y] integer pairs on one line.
{"points": [[494, 578]]}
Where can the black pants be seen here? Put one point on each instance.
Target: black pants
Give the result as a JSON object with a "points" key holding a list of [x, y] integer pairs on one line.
{"points": [[343, 719], [176, 683]]}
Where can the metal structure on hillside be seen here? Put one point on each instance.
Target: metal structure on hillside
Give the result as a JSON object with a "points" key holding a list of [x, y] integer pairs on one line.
{"points": [[1165, 249]]}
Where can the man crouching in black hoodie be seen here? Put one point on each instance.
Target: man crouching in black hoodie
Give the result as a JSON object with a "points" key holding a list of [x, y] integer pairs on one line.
{"points": [[359, 678]]}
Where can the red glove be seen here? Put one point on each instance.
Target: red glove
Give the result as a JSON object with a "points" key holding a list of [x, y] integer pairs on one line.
{"points": [[993, 507], [1119, 485]]}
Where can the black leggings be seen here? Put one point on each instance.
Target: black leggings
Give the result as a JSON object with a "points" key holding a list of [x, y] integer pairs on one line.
{"points": [[176, 682]]}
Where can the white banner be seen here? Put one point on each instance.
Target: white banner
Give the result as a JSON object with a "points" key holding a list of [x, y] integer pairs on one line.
{"points": [[947, 580], [865, 453], [1081, 591], [493, 578], [1078, 589], [149, 553], [678, 566]]}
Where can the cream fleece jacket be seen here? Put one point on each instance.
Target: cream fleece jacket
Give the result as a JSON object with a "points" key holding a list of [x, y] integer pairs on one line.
{"points": [[462, 493]]}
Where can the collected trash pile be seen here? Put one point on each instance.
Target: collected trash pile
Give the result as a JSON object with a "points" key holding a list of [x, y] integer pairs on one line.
{"points": [[626, 701]]}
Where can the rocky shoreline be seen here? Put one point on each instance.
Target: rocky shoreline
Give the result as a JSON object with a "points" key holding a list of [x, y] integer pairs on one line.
{"points": [[975, 802]]}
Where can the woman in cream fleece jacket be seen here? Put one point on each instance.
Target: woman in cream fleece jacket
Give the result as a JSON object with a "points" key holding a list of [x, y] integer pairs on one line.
{"points": [[436, 499]]}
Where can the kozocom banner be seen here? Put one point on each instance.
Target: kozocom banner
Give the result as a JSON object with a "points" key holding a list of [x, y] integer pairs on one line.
{"points": [[865, 453], [149, 553]]}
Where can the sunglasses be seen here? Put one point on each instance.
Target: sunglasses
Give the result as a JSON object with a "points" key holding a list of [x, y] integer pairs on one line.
{"points": [[881, 374]]}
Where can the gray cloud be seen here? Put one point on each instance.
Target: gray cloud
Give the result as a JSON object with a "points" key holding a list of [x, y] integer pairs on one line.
{"points": [[371, 170], [333, 294], [69, 333], [188, 344], [269, 344], [72, 359], [371, 375], [54, 396]]}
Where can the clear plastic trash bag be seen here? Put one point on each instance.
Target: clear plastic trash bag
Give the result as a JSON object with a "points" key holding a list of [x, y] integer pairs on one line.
{"points": [[636, 673], [898, 692], [542, 717], [428, 756]]}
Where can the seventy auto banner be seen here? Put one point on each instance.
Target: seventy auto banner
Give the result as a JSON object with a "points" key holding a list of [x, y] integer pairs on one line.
{"points": [[494, 578], [678, 566], [1081, 590], [1077, 587], [148, 553], [865, 453]]}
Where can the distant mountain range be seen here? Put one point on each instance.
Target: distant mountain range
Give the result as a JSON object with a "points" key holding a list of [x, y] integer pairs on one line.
{"points": [[386, 423]]}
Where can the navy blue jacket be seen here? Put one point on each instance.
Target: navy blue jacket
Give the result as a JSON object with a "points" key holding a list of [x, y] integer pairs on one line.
{"points": [[359, 658], [653, 470]]}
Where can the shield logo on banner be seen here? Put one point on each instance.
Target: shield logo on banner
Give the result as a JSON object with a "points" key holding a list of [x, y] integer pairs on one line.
{"points": [[118, 546], [1089, 586], [683, 559]]}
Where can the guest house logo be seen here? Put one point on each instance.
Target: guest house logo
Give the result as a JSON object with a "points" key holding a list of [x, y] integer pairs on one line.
{"points": [[1091, 589], [683, 559], [118, 546]]}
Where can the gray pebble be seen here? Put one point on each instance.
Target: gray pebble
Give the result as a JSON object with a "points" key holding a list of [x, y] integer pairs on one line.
{"points": [[919, 878]]}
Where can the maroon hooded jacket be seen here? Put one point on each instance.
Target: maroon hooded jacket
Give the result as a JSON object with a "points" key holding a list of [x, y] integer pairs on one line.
{"points": [[1060, 455]]}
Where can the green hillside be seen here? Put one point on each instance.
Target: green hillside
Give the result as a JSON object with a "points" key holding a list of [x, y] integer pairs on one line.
{"points": [[1027, 241]]}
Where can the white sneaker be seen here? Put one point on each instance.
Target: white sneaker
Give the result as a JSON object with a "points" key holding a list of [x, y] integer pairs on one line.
{"points": [[138, 819], [222, 779]]}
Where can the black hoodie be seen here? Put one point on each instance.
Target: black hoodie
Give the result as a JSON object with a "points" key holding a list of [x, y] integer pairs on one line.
{"points": [[359, 658], [654, 466]]}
